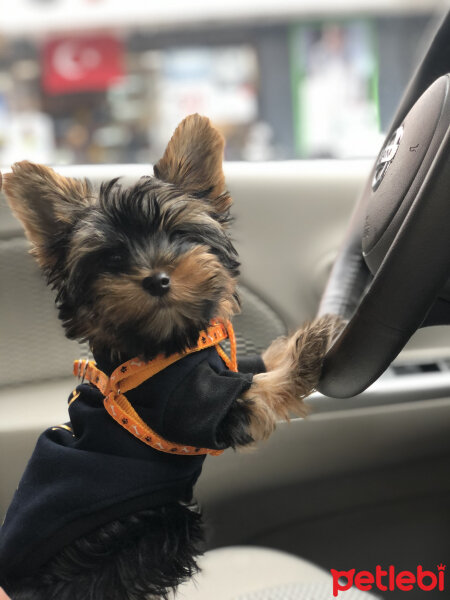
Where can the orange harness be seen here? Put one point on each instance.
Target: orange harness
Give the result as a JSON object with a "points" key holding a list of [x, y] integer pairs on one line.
{"points": [[132, 373]]}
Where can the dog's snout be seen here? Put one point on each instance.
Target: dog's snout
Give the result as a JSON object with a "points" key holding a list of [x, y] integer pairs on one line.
{"points": [[157, 284]]}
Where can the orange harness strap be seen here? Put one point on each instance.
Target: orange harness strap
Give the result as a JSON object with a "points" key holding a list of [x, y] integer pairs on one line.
{"points": [[132, 373]]}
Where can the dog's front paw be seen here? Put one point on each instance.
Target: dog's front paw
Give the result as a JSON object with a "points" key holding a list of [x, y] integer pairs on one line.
{"points": [[310, 344], [293, 367]]}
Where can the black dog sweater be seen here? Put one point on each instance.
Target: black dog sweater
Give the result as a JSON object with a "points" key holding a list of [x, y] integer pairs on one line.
{"points": [[90, 470]]}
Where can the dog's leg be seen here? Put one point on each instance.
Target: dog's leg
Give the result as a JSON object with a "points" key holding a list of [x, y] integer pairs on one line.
{"points": [[293, 369]]}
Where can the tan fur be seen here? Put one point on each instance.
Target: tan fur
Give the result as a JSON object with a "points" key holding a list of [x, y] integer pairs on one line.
{"points": [[193, 161], [195, 277], [44, 202], [179, 211], [293, 369]]}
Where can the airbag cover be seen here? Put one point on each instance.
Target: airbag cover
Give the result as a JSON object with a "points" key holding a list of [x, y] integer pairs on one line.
{"points": [[401, 168]]}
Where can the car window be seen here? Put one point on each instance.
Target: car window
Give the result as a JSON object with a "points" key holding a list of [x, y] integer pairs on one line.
{"points": [[81, 82]]}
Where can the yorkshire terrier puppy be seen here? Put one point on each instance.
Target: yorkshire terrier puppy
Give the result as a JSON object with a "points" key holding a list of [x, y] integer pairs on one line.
{"points": [[147, 274]]}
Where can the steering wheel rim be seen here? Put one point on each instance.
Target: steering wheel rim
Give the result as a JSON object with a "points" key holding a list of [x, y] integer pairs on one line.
{"points": [[383, 310]]}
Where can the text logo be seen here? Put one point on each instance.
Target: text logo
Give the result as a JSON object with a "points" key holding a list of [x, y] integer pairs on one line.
{"points": [[389, 579]]}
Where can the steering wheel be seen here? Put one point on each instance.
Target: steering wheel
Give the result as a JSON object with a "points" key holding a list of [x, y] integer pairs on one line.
{"points": [[391, 276]]}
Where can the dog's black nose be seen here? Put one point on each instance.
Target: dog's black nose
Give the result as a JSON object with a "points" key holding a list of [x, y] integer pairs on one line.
{"points": [[157, 284]]}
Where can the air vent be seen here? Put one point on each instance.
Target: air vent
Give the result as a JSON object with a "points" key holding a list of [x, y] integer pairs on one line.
{"points": [[417, 368]]}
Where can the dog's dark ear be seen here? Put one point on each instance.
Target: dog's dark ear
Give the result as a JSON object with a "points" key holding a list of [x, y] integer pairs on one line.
{"points": [[193, 162], [46, 203]]}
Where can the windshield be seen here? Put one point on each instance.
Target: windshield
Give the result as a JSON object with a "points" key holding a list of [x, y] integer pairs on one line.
{"points": [[96, 82]]}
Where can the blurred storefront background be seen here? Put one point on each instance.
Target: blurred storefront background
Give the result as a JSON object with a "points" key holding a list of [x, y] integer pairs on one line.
{"points": [[97, 81]]}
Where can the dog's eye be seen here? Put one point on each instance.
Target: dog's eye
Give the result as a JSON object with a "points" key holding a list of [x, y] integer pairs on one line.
{"points": [[115, 260]]}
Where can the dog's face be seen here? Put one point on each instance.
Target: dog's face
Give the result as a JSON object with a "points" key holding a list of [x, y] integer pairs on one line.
{"points": [[138, 270]]}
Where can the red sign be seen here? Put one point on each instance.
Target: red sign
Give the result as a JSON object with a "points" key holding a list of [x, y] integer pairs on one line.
{"points": [[76, 64]]}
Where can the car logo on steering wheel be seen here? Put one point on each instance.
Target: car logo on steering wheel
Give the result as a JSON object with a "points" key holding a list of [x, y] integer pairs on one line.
{"points": [[386, 157]]}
